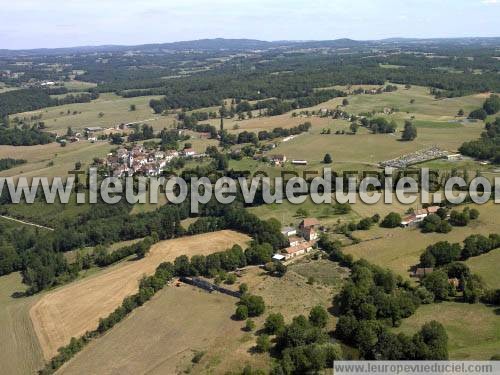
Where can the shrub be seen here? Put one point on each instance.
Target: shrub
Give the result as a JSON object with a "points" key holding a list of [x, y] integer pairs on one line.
{"points": [[263, 343], [249, 325], [241, 312]]}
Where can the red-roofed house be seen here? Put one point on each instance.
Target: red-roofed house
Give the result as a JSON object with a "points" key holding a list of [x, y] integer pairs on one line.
{"points": [[300, 249]]}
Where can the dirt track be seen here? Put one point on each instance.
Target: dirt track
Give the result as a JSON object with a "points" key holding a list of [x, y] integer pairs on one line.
{"points": [[76, 308]]}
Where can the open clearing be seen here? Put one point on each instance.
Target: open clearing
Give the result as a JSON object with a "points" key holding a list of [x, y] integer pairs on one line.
{"points": [[399, 248], [486, 265], [371, 148], [20, 352], [72, 310], [473, 330], [115, 111], [52, 160]]}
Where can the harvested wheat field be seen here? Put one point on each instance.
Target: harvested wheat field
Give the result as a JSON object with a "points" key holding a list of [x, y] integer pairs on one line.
{"points": [[162, 336], [76, 308]]}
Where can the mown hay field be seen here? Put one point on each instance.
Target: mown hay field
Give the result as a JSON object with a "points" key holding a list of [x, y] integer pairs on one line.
{"points": [[73, 309], [21, 353]]}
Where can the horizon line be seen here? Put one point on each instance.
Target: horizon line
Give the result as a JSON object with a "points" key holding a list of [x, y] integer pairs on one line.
{"points": [[250, 39]]}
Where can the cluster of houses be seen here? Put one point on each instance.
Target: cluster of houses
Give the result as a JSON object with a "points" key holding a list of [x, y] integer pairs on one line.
{"points": [[139, 160], [418, 216], [301, 240]]}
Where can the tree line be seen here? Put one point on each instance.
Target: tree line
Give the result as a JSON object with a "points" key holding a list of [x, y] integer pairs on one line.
{"points": [[8, 163], [443, 252], [488, 146], [25, 100], [40, 257]]}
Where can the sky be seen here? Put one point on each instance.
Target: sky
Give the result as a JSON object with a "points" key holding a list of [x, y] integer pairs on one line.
{"points": [[66, 23]]}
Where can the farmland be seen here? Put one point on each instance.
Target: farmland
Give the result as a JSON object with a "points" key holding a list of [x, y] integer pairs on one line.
{"points": [[473, 330], [399, 249], [173, 327], [71, 310], [21, 352], [169, 345], [52, 160], [108, 111]]}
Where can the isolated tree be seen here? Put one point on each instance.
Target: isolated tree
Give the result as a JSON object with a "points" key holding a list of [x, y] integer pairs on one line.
{"points": [[327, 159], [460, 112], [392, 220], [354, 127], [254, 304], [409, 132], [132, 107], [345, 102]]}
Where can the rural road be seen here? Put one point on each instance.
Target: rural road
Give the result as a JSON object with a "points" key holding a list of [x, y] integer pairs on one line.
{"points": [[26, 223]]}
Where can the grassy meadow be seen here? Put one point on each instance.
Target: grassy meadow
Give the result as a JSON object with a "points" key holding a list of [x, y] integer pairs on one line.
{"points": [[473, 329], [115, 110], [52, 160], [486, 265], [399, 249]]}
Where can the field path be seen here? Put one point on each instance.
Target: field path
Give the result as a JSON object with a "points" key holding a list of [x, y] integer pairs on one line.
{"points": [[26, 223], [73, 309]]}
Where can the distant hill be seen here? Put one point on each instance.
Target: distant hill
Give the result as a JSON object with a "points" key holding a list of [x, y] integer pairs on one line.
{"points": [[221, 44]]}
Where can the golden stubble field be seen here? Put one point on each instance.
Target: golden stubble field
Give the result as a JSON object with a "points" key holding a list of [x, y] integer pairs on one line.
{"points": [[72, 310], [163, 336]]}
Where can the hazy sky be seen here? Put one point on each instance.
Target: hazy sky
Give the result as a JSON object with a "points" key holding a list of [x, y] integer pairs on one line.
{"points": [[62, 23]]}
